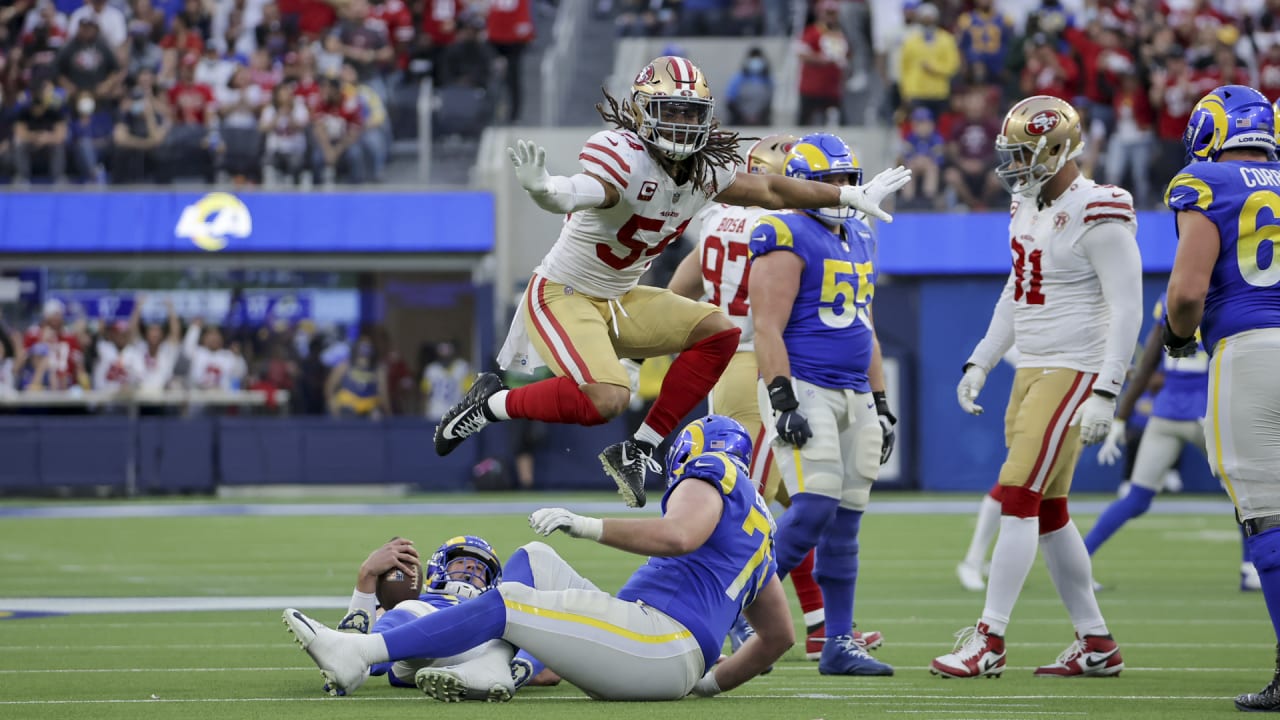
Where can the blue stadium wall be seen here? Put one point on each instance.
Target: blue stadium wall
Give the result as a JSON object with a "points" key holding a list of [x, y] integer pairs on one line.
{"points": [[943, 274]]}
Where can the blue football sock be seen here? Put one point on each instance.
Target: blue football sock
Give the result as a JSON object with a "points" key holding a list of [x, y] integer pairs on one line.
{"points": [[449, 631], [800, 528], [836, 570], [1119, 512], [1265, 551], [517, 568]]}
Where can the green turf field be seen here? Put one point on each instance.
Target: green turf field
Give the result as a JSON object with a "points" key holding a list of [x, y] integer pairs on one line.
{"points": [[1190, 639]]}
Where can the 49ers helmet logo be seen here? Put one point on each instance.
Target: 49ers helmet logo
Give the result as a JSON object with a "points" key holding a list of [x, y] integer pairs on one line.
{"points": [[1043, 122], [645, 76]]}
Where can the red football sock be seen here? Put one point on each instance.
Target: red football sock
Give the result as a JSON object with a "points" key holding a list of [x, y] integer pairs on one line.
{"points": [[690, 379], [556, 400], [806, 587]]}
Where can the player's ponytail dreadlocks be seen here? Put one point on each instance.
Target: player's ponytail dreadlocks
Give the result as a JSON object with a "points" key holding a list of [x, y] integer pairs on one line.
{"points": [[721, 150]]}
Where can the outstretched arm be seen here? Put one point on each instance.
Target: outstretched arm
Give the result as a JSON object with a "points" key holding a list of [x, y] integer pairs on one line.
{"points": [[693, 511], [777, 192], [557, 193]]}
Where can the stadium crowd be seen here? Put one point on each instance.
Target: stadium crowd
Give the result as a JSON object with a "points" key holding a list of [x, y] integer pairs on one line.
{"points": [[131, 91], [323, 370], [944, 72]]}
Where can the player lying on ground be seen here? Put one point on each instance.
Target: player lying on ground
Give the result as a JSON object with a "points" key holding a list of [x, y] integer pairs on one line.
{"points": [[640, 185], [659, 638], [460, 569]]}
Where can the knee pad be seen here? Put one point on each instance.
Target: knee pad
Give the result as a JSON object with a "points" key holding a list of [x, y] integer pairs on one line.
{"points": [[837, 556], [868, 443], [1053, 515], [1019, 502], [810, 514], [1264, 550]]}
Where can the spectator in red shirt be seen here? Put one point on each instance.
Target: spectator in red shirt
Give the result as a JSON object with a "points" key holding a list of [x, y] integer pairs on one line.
{"points": [[510, 29], [971, 154], [1269, 72], [194, 111], [440, 21], [180, 42], [393, 19], [337, 127], [59, 347], [311, 17], [824, 57], [1175, 88], [1048, 71], [1130, 144]]}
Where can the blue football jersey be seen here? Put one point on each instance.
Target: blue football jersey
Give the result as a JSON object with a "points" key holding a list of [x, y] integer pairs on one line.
{"points": [[706, 589], [1186, 382], [1243, 200], [828, 336]]}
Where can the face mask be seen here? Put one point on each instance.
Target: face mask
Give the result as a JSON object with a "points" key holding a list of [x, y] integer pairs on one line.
{"points": [[756, 65], [84, 106]]}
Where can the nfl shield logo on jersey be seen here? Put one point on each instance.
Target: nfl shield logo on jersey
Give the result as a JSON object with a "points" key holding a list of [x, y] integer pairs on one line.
{"points": [[1060, 221]]}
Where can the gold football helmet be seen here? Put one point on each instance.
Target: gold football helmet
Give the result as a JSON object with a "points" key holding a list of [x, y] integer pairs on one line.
{"points": [[1038, 137], [672, 106], [768, 156]]}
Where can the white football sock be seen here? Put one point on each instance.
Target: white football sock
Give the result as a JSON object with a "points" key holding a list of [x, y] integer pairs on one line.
{"points": [[1011, 562], [1072, 573], [648, 435], [372, 648], [498, 405], [984, 532]]}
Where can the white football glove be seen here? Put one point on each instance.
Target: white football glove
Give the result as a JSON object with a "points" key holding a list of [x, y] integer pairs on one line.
{"points": [[547, 520], [1111, 449], [530, 162], [1095, 417], [969, 387], [867, 198]]}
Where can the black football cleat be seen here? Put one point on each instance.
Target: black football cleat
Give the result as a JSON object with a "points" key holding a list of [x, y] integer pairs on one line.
{"points": [[626, 462], [469, 416], [1267, 700]]}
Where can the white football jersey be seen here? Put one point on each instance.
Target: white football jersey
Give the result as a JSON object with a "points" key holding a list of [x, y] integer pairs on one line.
{"points": [[602, 252], [1060, 317], [157, 369], [115, 368], [445, 385], [724, 233]]}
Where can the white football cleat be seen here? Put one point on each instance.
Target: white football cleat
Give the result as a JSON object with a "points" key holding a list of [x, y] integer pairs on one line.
{"points": [[464, 682], [971, 577], [339, 662]]}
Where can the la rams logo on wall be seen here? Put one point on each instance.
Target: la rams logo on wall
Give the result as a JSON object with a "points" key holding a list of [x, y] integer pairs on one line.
{"points": [[214, 220]]}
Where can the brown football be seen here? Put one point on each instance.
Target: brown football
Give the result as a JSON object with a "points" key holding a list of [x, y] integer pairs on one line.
{"points": [[394, 587]]}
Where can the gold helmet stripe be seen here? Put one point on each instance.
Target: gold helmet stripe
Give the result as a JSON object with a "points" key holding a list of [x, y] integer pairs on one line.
{"points": [[816, 158]]}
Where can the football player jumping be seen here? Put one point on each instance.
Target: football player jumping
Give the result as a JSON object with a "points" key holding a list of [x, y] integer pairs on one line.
{"points": [[641, 183], [718, 269], [812, 280], [1072, 307], [660, 637], [461, 569], [1228, 209], [1177, 420]]}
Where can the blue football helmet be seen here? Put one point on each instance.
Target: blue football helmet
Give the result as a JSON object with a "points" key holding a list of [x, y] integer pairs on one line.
{"points": [[1232, 116], [818, 156], [463, 581], [713, 433]]}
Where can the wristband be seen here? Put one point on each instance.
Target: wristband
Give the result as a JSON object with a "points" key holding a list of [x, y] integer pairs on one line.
{"points": [[1173, 340], [882, 406], [782, 397]]}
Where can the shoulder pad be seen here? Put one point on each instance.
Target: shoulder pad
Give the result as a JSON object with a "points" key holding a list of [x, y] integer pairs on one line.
{"points": [[716, 468], [1190, 189], [1108, 203], [771, 232], [612, 155]]}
